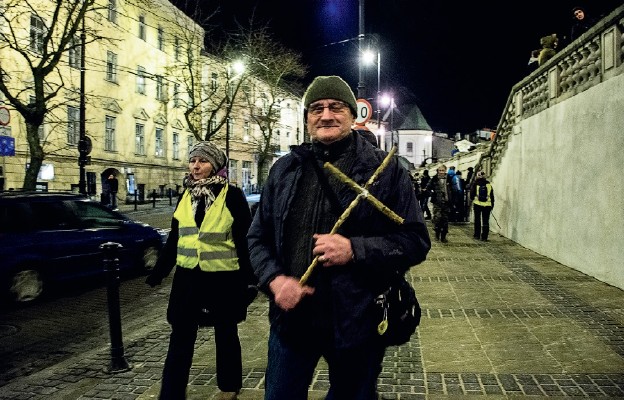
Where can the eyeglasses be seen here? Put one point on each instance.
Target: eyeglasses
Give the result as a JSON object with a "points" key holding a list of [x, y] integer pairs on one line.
{"points": [[336, 107]]}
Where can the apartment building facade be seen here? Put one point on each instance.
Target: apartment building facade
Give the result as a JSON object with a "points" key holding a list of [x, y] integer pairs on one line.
{"points": [[149, 95]]}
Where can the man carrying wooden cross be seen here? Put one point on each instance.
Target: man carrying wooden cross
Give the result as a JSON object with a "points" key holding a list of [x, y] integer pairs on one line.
{"points": [[331, 314]]}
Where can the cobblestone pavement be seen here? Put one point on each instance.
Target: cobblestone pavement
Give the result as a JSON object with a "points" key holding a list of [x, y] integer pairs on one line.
{"points": [[499, 321]]}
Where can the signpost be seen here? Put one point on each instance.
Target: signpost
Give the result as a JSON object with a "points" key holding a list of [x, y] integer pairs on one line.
{"points": [[364, 112]]}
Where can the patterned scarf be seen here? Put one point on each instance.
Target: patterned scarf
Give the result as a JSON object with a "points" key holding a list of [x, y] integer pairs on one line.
{"points": [[202, 189]]}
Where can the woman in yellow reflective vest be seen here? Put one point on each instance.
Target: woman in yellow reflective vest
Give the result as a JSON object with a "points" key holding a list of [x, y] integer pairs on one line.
{"points": [[482, 196], [213, 283]]}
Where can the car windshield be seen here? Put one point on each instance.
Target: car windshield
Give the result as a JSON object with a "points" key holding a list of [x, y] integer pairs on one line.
{"points": [[94, 216]]}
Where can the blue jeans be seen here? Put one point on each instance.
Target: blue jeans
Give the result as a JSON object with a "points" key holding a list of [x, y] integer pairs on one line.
{"points": [[353, 372]]}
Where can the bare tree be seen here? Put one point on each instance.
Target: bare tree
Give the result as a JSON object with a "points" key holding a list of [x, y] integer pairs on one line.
{"points": [[277, 71], [33, 40], [206, 100]]}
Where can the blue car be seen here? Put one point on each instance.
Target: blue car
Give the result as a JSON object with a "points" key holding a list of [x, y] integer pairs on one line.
{"points": [[49, 238]]}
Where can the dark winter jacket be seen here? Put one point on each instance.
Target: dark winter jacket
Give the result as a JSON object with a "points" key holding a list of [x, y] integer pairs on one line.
{"points": [[440, 196], [210, 297], [381, 247]]}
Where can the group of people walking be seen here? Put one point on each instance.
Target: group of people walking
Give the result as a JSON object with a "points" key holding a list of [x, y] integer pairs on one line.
{"points": [[446, 191], [221, 256]]}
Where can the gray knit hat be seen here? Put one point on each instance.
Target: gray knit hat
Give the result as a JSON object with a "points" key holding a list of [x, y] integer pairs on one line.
{"points": [[210, 152], [330, 87]]}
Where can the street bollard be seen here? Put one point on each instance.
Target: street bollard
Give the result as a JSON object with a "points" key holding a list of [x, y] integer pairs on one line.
{"points": [[154, 199], [136, 199], [111, 266]]}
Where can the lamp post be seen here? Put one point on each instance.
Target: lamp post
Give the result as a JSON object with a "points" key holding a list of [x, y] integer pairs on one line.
{"points": [[235, 70], [367, 58], [82, 142], [361, 84]]}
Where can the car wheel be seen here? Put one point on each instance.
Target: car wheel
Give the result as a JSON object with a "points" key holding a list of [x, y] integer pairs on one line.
{"points": [[150, 256], [26, 285]]}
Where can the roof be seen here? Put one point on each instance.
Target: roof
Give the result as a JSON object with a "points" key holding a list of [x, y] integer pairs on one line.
{"points": [[409, 117]]}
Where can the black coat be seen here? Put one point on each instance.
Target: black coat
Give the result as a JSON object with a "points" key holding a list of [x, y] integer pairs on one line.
{"points": [[381, 247], [210, 298]]}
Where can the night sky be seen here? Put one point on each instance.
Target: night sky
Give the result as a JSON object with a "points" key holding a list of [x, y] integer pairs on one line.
{"points": [[456, 60]]}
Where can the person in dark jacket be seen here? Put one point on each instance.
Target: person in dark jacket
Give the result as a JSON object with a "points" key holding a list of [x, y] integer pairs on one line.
{"points": [[113, 188], [213, 282], [424, 195], [581, 22], [331, 314], [482, 196], [441, 193]]}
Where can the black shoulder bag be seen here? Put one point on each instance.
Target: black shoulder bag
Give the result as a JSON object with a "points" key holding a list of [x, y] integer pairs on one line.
{"points": [[398, 308], [399, 312]]}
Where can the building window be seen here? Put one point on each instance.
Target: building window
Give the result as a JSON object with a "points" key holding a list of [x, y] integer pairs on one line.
{"points": [[176, 146], [111, 66], [75, 51], [160, 88], [112, 11], [160, 143], [212, 125], [189, 144], [161, 39], [73, 125], [140, 80], [410, 148], [246, 130], [214, 81], [142, 27], [230, 125], [233, 170], [139, 139], [109, 134], [176, 95], [176, 49], [37, 31]]}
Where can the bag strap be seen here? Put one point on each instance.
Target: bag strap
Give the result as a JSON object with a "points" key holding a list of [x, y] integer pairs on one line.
{"points": [[329, 192]]}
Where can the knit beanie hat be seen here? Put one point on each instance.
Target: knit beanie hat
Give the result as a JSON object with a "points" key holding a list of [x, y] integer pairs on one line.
{"points": [[210, 152], [330, 87]]}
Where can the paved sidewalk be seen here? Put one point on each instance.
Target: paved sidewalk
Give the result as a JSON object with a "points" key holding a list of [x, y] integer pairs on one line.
{"points": [[499, 321]]}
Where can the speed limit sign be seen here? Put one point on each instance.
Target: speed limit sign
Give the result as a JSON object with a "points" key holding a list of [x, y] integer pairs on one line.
{"points": [[364, 112]]}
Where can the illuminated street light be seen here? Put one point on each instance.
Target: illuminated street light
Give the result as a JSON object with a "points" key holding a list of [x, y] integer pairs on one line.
{"points": [[235, 70], [368, 57]]}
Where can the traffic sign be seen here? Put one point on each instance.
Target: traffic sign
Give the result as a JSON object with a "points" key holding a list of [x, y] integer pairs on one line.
{"points": [[364, 112], [5, 116]]}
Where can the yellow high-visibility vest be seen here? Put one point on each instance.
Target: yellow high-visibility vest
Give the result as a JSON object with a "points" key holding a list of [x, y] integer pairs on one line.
{"points": [[211, 246], [488, 202]]}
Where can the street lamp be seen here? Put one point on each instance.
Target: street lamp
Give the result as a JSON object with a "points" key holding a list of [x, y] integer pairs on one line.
{"points": [[83, 145], [368, 57], [235, 70]]}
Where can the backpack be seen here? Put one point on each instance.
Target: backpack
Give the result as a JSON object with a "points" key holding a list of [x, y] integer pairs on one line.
{"points": [[483, 193]]}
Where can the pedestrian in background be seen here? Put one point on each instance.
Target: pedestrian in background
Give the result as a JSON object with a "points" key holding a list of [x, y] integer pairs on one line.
{"points": [[533, 63], [440, 189], [581, 22], [332, 315], [113, 188], [424, 195], [213, 282], [482, 196]]}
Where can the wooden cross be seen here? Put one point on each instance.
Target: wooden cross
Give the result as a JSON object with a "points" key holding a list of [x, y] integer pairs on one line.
{"points": [[362, 194]]}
